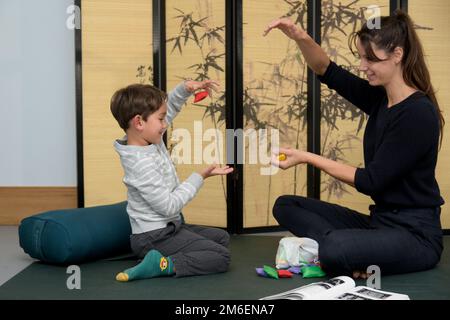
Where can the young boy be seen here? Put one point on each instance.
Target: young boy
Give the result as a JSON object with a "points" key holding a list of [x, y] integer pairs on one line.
{"points": [[167, 245]]}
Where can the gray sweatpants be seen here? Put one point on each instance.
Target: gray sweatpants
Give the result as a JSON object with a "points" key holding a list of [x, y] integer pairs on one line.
{"points": [[194, 250]]}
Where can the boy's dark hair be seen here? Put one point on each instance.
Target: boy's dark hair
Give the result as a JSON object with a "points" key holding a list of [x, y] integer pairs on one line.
{"points": [[136, 99]]}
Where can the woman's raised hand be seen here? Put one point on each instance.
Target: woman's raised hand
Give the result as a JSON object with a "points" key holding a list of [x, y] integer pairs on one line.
{"points": [[288, 27]]}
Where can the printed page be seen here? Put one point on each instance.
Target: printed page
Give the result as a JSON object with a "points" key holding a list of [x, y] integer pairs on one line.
{"points": [[317, 290], [366, 293]]}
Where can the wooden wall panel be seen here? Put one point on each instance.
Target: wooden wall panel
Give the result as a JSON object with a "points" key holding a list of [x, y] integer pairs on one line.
{"points": [[116, 40], [204, 22], [433, 23], [17, 203], [274, 98], [340, 138]]}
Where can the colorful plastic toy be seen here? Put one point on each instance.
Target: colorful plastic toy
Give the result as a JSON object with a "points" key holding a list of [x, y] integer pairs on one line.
{"points": [[260, 272], [199, 96], [284, 274], [271, 272], [312, 272]]}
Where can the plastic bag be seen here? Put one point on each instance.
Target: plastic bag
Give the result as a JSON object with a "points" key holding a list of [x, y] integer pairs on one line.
{"points": [[294, 252]]}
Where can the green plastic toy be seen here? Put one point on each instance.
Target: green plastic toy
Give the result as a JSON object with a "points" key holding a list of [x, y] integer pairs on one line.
{"points": [[312, 272], [271, 272]]}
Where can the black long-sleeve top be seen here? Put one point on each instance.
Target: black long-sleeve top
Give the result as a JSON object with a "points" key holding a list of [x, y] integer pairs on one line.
{"points": [[400, 143]]}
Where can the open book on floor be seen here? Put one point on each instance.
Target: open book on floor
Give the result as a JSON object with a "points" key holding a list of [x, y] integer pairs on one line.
{"points": [[339, 288]]}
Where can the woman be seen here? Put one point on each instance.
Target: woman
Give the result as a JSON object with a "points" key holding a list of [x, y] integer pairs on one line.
{"points": [[401, 142]]}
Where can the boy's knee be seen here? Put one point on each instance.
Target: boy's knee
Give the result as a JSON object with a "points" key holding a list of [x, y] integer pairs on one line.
{"points": [[224, 238], [227, 256], [226, 259]]}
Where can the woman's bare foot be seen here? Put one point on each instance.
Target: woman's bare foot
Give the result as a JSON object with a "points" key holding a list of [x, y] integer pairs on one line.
{"points": [[360, 274]]}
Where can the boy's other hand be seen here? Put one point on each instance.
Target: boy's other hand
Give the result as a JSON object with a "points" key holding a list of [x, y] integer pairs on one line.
{"points": [[207, 85], [215, 170]]}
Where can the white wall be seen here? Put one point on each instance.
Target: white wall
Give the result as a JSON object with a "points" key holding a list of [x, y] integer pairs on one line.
{"points": [[37, 94]]}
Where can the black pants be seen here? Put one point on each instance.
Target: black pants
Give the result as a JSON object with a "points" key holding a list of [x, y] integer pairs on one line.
{"points": [[397, 241]]}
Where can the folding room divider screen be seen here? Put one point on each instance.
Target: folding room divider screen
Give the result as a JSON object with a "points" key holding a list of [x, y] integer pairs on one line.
{"points": [[266, 89], [115, 49]]}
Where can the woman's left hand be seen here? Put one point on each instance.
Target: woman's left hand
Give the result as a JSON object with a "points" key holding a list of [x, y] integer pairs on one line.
{"points": [[207, 85], [293, 157]]}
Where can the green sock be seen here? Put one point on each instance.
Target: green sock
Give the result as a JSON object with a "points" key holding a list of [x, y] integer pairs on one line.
{"points": [[153, 265]]}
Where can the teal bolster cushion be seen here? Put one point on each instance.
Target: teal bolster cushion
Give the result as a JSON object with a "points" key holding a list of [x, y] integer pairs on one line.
{"points": [[77, 235]]}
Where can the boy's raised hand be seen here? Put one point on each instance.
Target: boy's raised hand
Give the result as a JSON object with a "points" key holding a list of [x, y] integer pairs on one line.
{"points": [[215, 170], [207, 85]]}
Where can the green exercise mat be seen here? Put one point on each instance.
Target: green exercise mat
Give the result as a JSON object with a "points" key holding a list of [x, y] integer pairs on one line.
{"points": [[42, 281]]}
